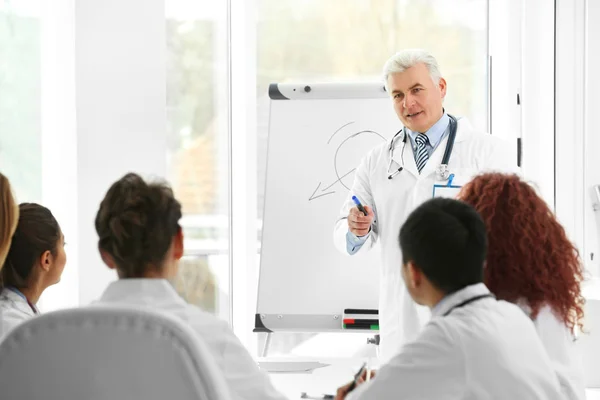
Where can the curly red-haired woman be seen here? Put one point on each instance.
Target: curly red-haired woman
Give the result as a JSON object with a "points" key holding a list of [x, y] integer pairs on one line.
{"points": [[532, 263]]}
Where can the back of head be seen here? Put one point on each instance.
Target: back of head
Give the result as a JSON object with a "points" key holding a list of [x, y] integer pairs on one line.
{"points": [[446, 240], [37, 232], [136, 224], [530, 257], [408, 58], [9, 215]]}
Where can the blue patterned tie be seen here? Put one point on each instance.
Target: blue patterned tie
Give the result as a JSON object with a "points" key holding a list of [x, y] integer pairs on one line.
{"points": [[422, 156]]}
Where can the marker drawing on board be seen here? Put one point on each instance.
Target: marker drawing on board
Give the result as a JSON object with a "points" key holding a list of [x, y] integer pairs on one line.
{"points": [[342, 173]]}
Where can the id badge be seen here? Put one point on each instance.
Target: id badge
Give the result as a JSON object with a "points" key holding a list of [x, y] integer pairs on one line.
{"points": [[448, 190]]}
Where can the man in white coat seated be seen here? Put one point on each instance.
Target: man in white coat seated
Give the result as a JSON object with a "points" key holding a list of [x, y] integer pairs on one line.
{"points": [[474, 346]]}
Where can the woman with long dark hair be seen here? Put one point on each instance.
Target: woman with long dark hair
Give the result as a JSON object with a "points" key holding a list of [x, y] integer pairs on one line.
{"points": [[36, 259]]}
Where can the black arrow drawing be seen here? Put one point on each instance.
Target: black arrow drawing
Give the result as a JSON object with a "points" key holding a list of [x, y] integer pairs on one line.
{"points": [[313, 197], [339, 129], [340, 179], [337, 174], [338, 150]]}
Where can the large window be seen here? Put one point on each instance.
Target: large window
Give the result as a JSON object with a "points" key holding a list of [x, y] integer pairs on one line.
{"points": [[20, 110], [197, 130], [341, 40]]}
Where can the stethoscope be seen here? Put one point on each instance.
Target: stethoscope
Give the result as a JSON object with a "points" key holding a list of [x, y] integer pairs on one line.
{"points": [[442, 172], [468, 301]]}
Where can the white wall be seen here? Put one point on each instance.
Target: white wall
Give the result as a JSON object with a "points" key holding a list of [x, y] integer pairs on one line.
{"points": [[59, 140], [505, 51], [537, 95], [243, 218], [591, 140], [522, 50], [120, 62], [569, 119]]}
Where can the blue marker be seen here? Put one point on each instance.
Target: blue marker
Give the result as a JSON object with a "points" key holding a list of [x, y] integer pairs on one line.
{"points": [[450, 178], [359, 206]]}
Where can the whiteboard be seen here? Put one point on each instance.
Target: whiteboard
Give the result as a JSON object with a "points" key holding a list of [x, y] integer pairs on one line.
{"points": [[318, 134]]}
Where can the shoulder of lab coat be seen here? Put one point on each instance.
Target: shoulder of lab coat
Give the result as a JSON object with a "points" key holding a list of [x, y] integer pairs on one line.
{"points": [[561, 347], [494, 154], [244, 379], [13, 311], [361, 188], [477, 351], [431, 367]]}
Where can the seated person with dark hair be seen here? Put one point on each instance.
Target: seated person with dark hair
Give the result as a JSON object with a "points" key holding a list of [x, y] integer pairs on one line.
{"points": [[474, 346], [36, 260], [139, 236]]}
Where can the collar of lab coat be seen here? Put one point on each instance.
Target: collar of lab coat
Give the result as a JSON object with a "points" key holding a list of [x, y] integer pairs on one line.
{"points": [[458, 297], [19, 301], [142, 291], [464, 130]]}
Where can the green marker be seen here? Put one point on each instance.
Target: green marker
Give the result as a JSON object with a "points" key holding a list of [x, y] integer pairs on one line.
{"points": [[359, 326]]}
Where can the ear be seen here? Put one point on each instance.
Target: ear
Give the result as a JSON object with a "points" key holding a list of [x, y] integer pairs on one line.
{"points": [[442, 86], [46, 260], [178, 245], [414, 276], [107, 259]]}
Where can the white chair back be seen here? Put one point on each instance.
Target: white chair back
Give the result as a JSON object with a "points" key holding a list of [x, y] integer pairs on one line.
{"points": [[101, 353]]}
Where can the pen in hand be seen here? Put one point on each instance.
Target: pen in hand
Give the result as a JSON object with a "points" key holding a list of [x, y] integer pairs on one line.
{"points": [[343, 391], [359, 205], [357, 377]]}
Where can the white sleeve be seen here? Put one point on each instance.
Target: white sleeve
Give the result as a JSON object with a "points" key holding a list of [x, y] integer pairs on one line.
{"points": [[563, 352], [361, 188], [431, 367], [245, 380]]}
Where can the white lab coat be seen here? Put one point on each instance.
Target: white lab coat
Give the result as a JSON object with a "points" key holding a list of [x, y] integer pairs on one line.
{"points": [[245, 380], [392, 200], [562, 350], [485, 350], [14, 310]]}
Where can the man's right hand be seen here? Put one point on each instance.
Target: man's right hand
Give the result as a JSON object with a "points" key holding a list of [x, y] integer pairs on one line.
{"points": [[359, 223], [345, 390]]}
